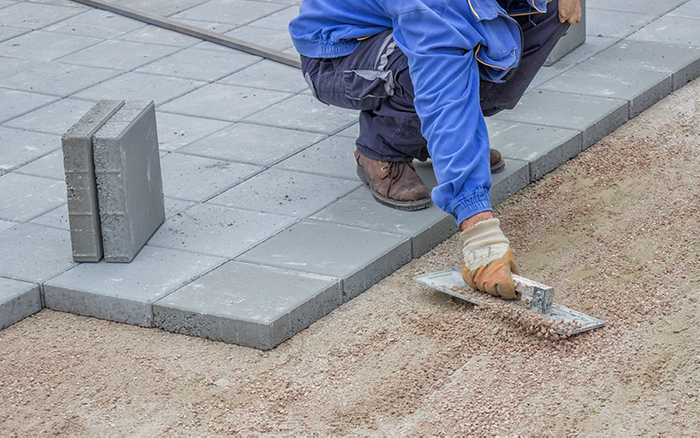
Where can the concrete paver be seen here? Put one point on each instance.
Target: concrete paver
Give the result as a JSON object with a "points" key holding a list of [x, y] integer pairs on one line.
{"points": [[235, 260], [18, 299]]}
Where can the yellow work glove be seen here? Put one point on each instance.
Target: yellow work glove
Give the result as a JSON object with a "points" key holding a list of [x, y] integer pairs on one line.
{"points": [[570, 10], [488, 259]]}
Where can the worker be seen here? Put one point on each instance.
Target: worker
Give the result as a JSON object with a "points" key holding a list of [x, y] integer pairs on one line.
{"points": [[423, 74]]}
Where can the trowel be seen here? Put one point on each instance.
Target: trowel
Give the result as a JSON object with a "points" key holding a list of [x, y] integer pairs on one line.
{"points": [[536, 297]]}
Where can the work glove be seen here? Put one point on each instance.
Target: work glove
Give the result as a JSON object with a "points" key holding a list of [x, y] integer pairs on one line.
{"points": [[488, 260], [570, 10]]}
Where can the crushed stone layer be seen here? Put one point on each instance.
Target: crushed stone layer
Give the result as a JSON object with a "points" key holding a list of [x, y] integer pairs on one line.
{"points": [[614, 231]]}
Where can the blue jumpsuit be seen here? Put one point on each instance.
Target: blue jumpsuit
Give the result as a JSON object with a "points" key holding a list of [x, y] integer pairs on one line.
{"points": [[424, 73]]}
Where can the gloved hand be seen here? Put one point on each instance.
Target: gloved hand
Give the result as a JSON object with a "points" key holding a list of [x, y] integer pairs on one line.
{"points": [[570, 10], [488, 260]]}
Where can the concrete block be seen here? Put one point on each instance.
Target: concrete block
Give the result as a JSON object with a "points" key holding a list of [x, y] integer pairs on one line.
{"points": [[332, 156], [255, 144], [198, 179], [25, 197], [18, 300], [187, 64], [125, 292], [544, 147], [574, 37], [305, 113], [131, 86], [55, 118], [360, 257], [595, 116], [58, 79], [21, 147], [641, 88], [45, 46], [286, 193], [34, 253], [83, 210], [129, 184], [219, 231], [241, 303], [269, 74], [16, 103], [176, 131], [224, 102]]}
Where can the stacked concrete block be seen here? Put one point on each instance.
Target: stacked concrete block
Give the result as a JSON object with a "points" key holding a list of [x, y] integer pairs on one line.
{"points": [[83, 211], [129, 183]]}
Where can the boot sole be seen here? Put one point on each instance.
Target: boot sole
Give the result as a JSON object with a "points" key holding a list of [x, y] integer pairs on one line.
{"points": [[399, 205]]}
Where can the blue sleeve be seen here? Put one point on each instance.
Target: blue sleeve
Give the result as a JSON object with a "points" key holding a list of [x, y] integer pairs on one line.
{"points": [[440, 49]]}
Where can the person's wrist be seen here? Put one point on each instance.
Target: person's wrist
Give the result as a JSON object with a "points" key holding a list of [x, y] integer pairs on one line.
{"points": [[473, 220]]}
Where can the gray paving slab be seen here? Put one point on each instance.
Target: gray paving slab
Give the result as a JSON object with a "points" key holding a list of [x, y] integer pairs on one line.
{"points": [[595, 116], [34, 253], [175, 206], [278, 20], [268, 74], [286, 192], [20, 147], [117, 54], [426, 228], [163, 8], [139, 86], [56, 218], [332, 157], [236, 12], [248, 143], [213, 26], [80, 177], [129, 182], [176, 131], [508, 182], [28, 15], [55, 118], [158, 35], [305, 113], [224, 102], [275, 39], [8, 32], [4, 225], [18, 299], [45, 46], [224, 305], [198, 179], [96, 23], [125, 292], [671, 30], [10, 66], [187, 64], [57, 79], [218, 231], [681, 61], [361, 257], [48, 166], [641, 88], [15, 103], [25, 197], [690, 9], [353, 131], [647, 6], [616, 24], [544, 147]]}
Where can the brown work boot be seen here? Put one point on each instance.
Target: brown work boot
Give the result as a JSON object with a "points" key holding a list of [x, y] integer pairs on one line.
{"points": [[394, 183], [497, 163]]}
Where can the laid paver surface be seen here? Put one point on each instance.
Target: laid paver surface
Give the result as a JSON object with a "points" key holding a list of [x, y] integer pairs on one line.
{"points": [[267, 226]]}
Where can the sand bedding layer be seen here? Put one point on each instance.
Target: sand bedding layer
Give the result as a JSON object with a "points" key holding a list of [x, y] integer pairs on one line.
{"points": [[615, 231]]}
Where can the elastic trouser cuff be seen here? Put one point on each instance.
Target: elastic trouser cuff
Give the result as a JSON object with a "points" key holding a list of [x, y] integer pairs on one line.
{"points": [[465, 207]]}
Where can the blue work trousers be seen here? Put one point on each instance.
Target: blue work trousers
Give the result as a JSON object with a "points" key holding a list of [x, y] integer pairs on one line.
{"points": [[375, 80]]}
